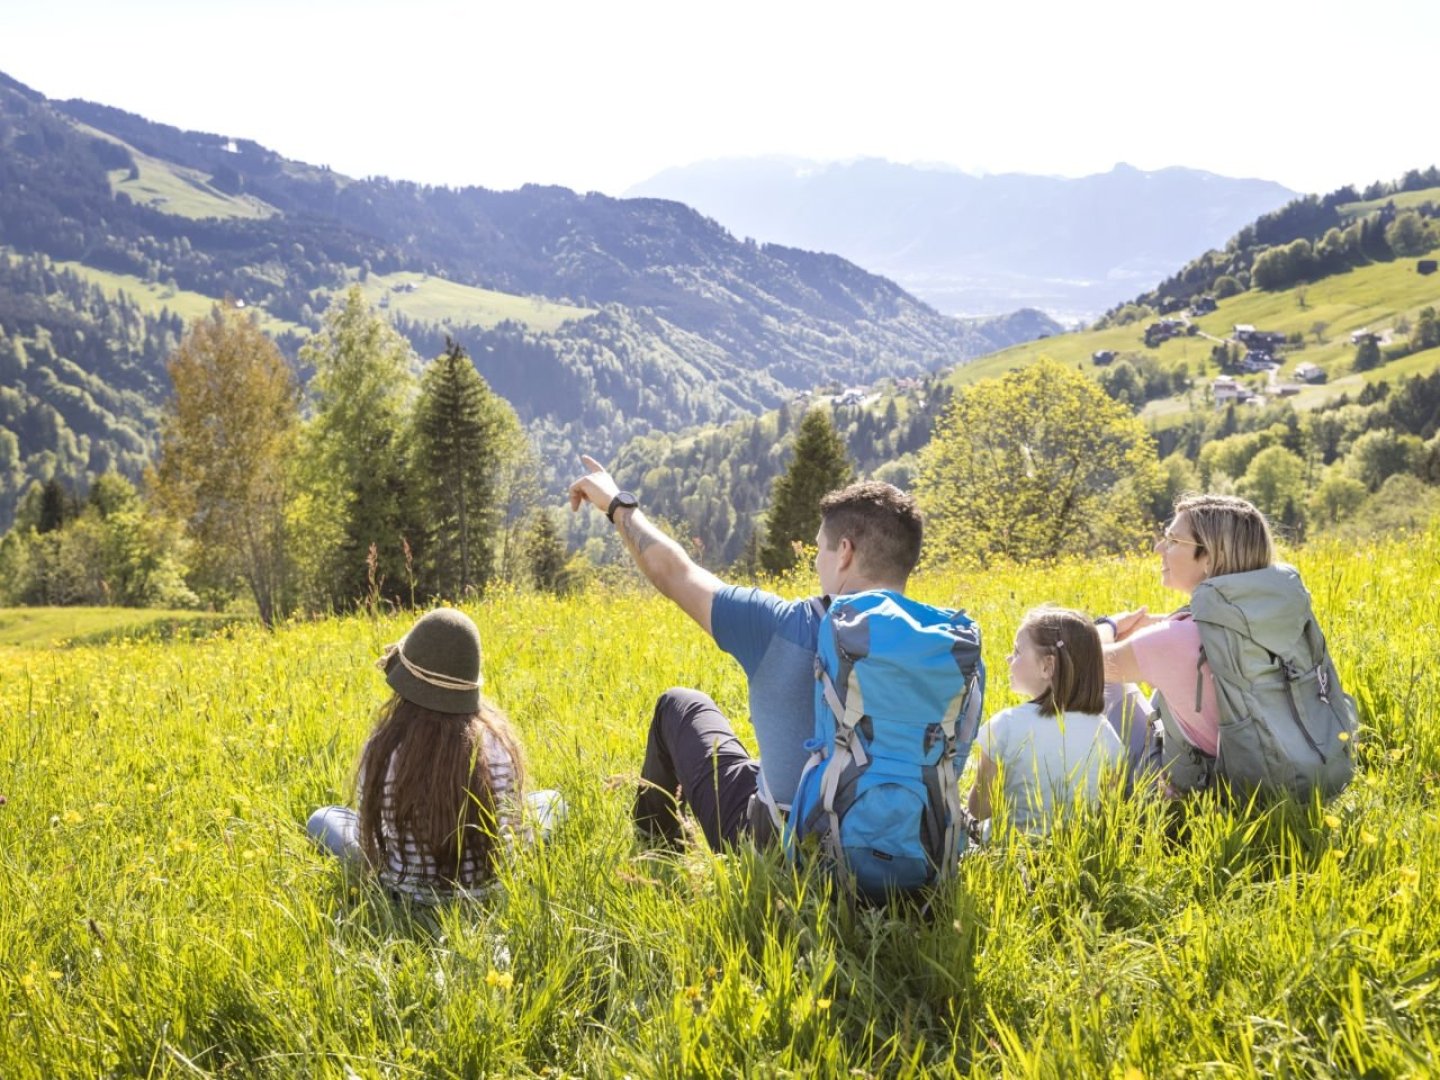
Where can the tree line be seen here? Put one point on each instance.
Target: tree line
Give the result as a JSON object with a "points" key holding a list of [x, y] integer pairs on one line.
{"points": [[382, 482]]}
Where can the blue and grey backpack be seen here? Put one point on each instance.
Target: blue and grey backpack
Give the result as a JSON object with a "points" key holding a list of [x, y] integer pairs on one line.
{"points": [[899, 691]]}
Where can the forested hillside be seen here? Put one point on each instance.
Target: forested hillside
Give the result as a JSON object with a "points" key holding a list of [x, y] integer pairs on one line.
{"points": [[676, 322], [1338, 430]]}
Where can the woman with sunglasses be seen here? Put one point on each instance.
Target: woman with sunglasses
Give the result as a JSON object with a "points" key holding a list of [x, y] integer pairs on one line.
{"points": [[1209, 535]]}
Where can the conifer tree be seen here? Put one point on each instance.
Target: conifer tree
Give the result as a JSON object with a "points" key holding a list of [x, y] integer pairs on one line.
{"points": [[819, 466], [462, 430], [227, 440], [545, 553], [355, 472]]}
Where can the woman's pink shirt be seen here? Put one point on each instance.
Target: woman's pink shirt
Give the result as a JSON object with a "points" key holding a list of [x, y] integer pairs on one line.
{"points": [[1167, 654]]}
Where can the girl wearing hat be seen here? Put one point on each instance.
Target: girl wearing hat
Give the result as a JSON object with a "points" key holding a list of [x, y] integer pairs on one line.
{"points": [[441, 778]]}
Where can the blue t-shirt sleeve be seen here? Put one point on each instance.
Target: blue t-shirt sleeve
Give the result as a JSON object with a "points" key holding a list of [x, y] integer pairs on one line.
{"points": [[745, 620]]}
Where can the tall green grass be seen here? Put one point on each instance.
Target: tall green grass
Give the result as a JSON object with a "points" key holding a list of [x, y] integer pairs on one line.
{"points": [[161, 913]]}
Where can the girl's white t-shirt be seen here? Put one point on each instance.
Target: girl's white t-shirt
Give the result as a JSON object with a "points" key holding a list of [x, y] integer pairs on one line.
{"points": [[1048, 761]]}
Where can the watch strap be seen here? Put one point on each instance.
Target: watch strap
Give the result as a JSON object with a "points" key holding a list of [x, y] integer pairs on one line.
{"points": [[622, 499]]}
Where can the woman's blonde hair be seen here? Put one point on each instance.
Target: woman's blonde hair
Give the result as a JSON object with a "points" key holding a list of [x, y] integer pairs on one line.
{"points": [[1231, 530], [1078, 684], [428, 773]]}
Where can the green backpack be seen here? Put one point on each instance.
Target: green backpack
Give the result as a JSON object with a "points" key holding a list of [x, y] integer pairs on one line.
{"points": [[1285, 723]]}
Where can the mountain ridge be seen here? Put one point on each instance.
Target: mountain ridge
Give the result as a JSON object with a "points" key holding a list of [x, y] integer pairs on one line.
{"points": [[968, 243]]}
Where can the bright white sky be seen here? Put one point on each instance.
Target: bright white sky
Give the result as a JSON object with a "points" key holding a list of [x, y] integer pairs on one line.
{"points": [[597, 96]]}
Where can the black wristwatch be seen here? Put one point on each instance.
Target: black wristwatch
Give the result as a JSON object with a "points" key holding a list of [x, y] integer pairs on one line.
{"points": [[622, 500]]}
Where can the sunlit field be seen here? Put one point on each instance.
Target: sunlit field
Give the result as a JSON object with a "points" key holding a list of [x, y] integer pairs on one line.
{"points": [[162, 914]]}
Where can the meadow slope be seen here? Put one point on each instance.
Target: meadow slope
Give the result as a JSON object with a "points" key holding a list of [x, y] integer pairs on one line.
{"points": [[161, 913]]}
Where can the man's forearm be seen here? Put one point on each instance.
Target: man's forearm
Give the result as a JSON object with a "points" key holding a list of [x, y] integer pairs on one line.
{"points": [[659, 558]]}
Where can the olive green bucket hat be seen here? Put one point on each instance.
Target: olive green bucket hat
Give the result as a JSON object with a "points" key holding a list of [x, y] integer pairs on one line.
{"points": [[437, 664]]}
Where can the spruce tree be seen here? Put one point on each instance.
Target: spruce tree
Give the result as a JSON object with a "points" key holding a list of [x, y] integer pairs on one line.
{"points": [[462, 430], [545, 553], [819, 466]]}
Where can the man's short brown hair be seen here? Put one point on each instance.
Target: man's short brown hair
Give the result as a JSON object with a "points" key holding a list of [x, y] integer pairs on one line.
{"points": [[884, 525]]}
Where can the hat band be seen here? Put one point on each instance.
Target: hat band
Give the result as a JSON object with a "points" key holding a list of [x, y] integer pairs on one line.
{"points": [[434, 678]]}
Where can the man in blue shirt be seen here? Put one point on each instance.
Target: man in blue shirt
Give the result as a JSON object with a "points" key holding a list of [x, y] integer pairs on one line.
{"points": [[869, 538]]}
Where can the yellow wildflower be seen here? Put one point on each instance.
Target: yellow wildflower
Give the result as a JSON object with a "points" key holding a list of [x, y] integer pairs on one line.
{"points": [[72, 817], [822, 1004], [503, 979], [1331, 821], [1369, 838]]}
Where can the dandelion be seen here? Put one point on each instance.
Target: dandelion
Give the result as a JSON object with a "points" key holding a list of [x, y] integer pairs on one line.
{"points": [[1132, 1073], [822, 1004], [152, 787], [55, 976], [711, 971], [1344, 736], [1399, 752], [503, 979], [693, 993], [1368, 838], [1409, 876], [1331, 821], [73, 817], [27, 981]]}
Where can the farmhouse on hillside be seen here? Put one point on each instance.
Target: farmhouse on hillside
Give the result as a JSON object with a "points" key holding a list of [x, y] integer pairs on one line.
{"points": [[1226, 390]]}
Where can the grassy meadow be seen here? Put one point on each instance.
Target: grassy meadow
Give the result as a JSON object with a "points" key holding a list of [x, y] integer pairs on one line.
{"points": [[153, 297], [433, 299], [162, 914]]}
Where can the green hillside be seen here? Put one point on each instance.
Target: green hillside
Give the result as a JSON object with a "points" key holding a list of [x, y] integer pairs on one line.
{"points": [[1371, 297], [152, 297], [1403, 200], [174, 189], [435, 300]]}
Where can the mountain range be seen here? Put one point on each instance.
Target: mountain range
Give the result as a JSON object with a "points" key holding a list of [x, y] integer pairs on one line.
{"points": [[598, 318], [981, 244]]}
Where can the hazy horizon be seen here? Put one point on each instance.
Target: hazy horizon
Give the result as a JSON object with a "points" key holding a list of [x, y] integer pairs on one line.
{"points": [[439, 92]]}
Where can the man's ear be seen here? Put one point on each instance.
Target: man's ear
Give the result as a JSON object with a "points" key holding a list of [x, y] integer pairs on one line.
{"points": [[844, 553]]}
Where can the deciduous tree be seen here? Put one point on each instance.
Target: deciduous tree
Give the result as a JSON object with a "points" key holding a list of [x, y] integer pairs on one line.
{"points": [[1036, 464], [227, 440]]}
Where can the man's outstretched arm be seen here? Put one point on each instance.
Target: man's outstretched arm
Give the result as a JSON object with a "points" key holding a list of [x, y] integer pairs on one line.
{"points": [[659, 558]]}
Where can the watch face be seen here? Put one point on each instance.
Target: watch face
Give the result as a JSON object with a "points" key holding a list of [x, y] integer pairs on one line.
{"points": [[622, 500]]}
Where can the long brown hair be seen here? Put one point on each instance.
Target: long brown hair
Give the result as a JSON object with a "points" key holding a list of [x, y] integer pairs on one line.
{"points": [[440, 792], [1078, 684]]}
